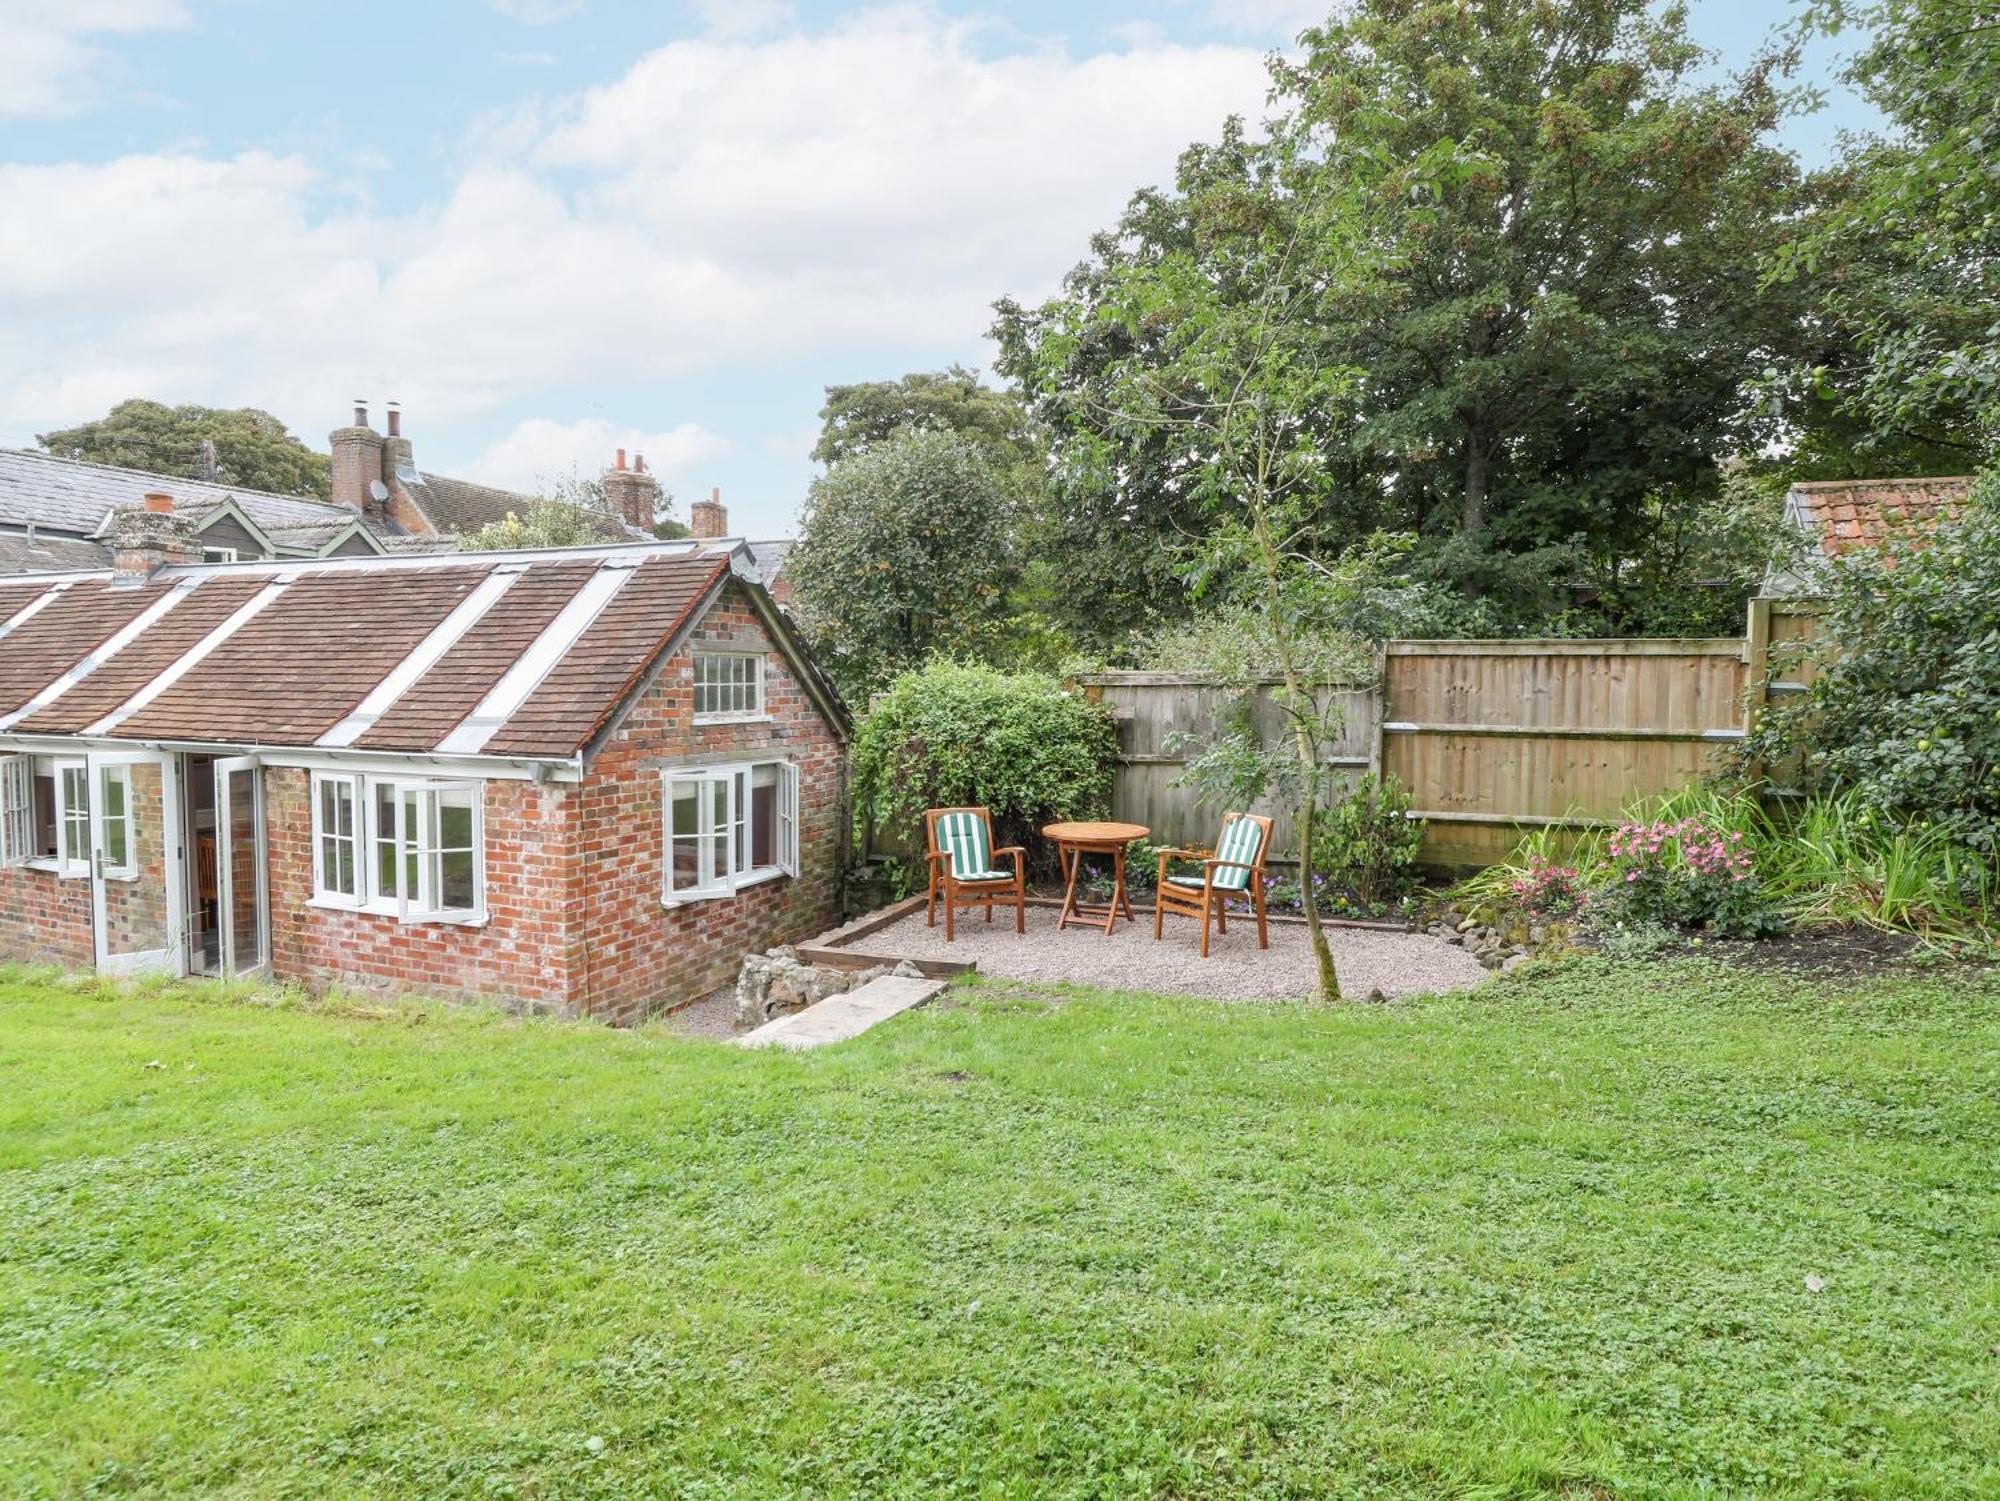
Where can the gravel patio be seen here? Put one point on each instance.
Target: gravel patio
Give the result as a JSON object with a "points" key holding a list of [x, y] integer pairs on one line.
{"points": [[1396, 963]]}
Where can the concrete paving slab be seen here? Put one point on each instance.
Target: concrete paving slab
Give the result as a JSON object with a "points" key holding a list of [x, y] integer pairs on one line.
{"points": [[840, 1017]]}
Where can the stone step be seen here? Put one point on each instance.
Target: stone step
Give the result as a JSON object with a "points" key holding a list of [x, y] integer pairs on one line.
{"points": [[840, 1017]]}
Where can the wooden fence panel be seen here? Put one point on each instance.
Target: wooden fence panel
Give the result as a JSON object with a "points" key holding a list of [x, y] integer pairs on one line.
{"points": [[1152, 707]]}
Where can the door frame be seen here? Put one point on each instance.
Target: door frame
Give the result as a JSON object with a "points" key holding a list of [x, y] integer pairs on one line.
{"points": [[172, 958], [225, 867]]}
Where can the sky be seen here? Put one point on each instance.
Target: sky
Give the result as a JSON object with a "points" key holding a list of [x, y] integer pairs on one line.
{"points": [[551, 228]]}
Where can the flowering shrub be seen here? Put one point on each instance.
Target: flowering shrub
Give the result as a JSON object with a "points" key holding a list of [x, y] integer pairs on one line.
{"points": [[1547, 889], [1685, 873]]}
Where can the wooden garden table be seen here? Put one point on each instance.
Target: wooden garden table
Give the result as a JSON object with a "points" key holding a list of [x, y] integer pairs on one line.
{"points": [[1075, 840]]}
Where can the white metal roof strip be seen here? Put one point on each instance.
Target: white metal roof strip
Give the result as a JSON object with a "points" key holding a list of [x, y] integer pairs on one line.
{"points": [[181, 665], [423, 657], [526, 675], [118, 641], [31, 609]]}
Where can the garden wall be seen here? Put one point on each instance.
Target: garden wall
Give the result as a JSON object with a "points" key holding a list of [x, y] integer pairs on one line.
{"points": [[1491, 737]]}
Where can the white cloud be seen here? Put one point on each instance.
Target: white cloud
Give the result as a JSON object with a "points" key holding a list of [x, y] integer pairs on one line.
{"points": [[1283, 19], [49, 52], [539, 451], [537, 12], [723, 205], [740, 19]]}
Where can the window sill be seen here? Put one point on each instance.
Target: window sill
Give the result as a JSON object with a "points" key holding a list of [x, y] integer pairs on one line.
{"points": [[388, 910], [704, 721], [756, 878], [55, 868]]}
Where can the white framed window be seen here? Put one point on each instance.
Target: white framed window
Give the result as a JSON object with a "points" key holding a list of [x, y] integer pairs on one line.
{"points": [[17, 810], [412, 848], [218, 555], [728, 827], [72, 817], [336, 837], [728, 685], [114, 792]]}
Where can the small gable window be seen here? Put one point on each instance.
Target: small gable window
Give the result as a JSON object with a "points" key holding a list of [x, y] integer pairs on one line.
{"points": [[728, 685]]}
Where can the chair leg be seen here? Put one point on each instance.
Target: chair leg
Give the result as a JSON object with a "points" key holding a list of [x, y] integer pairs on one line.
{"points": [[1207, 906], [930, 900], [1221, 914], [950, 902], [1020, 906], [1159, 914], [1263, 933], [989, 909]]}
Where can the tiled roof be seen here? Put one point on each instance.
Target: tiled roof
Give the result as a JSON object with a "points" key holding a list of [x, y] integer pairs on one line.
{"points": [[69, 495], [1867, 512], [385, 654], [457, 505]]}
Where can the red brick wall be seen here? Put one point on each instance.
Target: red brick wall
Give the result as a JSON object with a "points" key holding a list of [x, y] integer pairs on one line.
{"points": [[574, 872], [137, 917], [45, 919], [640, 956], [522, 955]]}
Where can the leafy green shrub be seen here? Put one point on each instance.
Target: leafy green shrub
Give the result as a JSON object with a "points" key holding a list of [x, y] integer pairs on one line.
{"points": [[1365, 844], [1689, 873], [1907, 709], [950, 735]]}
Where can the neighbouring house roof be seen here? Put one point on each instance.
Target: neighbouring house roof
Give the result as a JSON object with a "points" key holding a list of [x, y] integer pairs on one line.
{"points": [[1843, 514], [1837, 516], [72, 496], [40, 552], [771, 557], [524, 655], [457, 505]]}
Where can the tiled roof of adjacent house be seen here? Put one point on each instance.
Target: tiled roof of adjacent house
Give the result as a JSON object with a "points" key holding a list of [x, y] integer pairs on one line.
{"points": [[68, 495], [525, 655], [457, 505], [1867, 512]]}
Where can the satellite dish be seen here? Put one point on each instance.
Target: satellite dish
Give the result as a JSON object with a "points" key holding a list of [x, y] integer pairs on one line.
{"points": [[377, 490]]}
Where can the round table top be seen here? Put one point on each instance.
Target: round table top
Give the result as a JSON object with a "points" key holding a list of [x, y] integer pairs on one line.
{"points": [[1094, 832]]}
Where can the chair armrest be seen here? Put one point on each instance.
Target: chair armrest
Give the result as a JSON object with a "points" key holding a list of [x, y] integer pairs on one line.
{"points": [[1210, 865], [1012, 849], [1178, 854], [934, 855]]}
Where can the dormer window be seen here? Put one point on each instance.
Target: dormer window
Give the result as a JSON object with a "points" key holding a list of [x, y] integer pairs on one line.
{"points": [[728, 686]]}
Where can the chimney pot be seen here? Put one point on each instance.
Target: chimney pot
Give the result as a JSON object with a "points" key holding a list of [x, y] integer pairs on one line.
{"points": [[620, 463], [360, 412], [395, 419], [159, 502], [639, 462]]}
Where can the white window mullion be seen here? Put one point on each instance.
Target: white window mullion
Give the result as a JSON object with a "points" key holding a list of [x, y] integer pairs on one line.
{"points": [[17, 810], [788, 818]]}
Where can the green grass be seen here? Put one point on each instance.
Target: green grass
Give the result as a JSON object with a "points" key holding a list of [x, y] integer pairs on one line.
{"points": [[1548, 1239]]}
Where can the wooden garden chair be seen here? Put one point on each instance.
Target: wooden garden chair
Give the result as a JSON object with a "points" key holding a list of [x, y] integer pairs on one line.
{"points": [[962, 865], [1236, 866]]}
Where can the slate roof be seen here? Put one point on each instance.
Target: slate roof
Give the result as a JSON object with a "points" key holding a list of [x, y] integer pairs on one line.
{"points": [[46, 553], [69, 495], [1844, 514], [283, 654]]}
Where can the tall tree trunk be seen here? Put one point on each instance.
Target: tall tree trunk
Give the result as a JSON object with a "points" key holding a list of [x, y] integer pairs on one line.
{"points": [[1472, 516]]}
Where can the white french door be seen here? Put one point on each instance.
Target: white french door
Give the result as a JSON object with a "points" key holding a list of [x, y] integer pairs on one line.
{"points": [[244, 923], [134, 836]]}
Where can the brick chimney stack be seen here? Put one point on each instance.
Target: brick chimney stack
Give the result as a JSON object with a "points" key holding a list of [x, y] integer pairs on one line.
{"points": [[357, 459], [397, 455], [632, 494], [148, 536], [709, 518]]}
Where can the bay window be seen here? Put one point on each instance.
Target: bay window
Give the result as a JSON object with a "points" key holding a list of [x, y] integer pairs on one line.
{"points": [[424, 844], [728, 827]]}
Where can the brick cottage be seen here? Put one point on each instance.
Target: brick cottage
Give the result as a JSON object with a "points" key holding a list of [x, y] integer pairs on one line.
{"points": [[585, 781]]}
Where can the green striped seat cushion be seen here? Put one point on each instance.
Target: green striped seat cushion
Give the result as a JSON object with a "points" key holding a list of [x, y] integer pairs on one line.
{"points": [[962, 836], [1239, 842]]}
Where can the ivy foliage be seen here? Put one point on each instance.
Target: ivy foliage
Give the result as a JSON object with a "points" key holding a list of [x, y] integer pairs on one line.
{"points": [[954, 735], [1907, 707]]}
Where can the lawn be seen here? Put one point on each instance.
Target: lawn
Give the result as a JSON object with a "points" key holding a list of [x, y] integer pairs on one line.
{"points": [[1550, 1237]]}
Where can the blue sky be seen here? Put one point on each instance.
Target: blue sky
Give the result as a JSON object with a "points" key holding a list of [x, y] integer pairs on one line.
{"points": [[553, 227]]}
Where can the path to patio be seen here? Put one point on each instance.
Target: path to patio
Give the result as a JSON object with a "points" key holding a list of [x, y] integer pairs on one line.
{"points": [[1396, 963]]}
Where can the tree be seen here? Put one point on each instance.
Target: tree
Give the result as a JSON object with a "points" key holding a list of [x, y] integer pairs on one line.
{"points": [[251, 448], [857, 417], [1234, 389], [1901, 253], [906, 552], [1568, 308], [542, 522]]}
